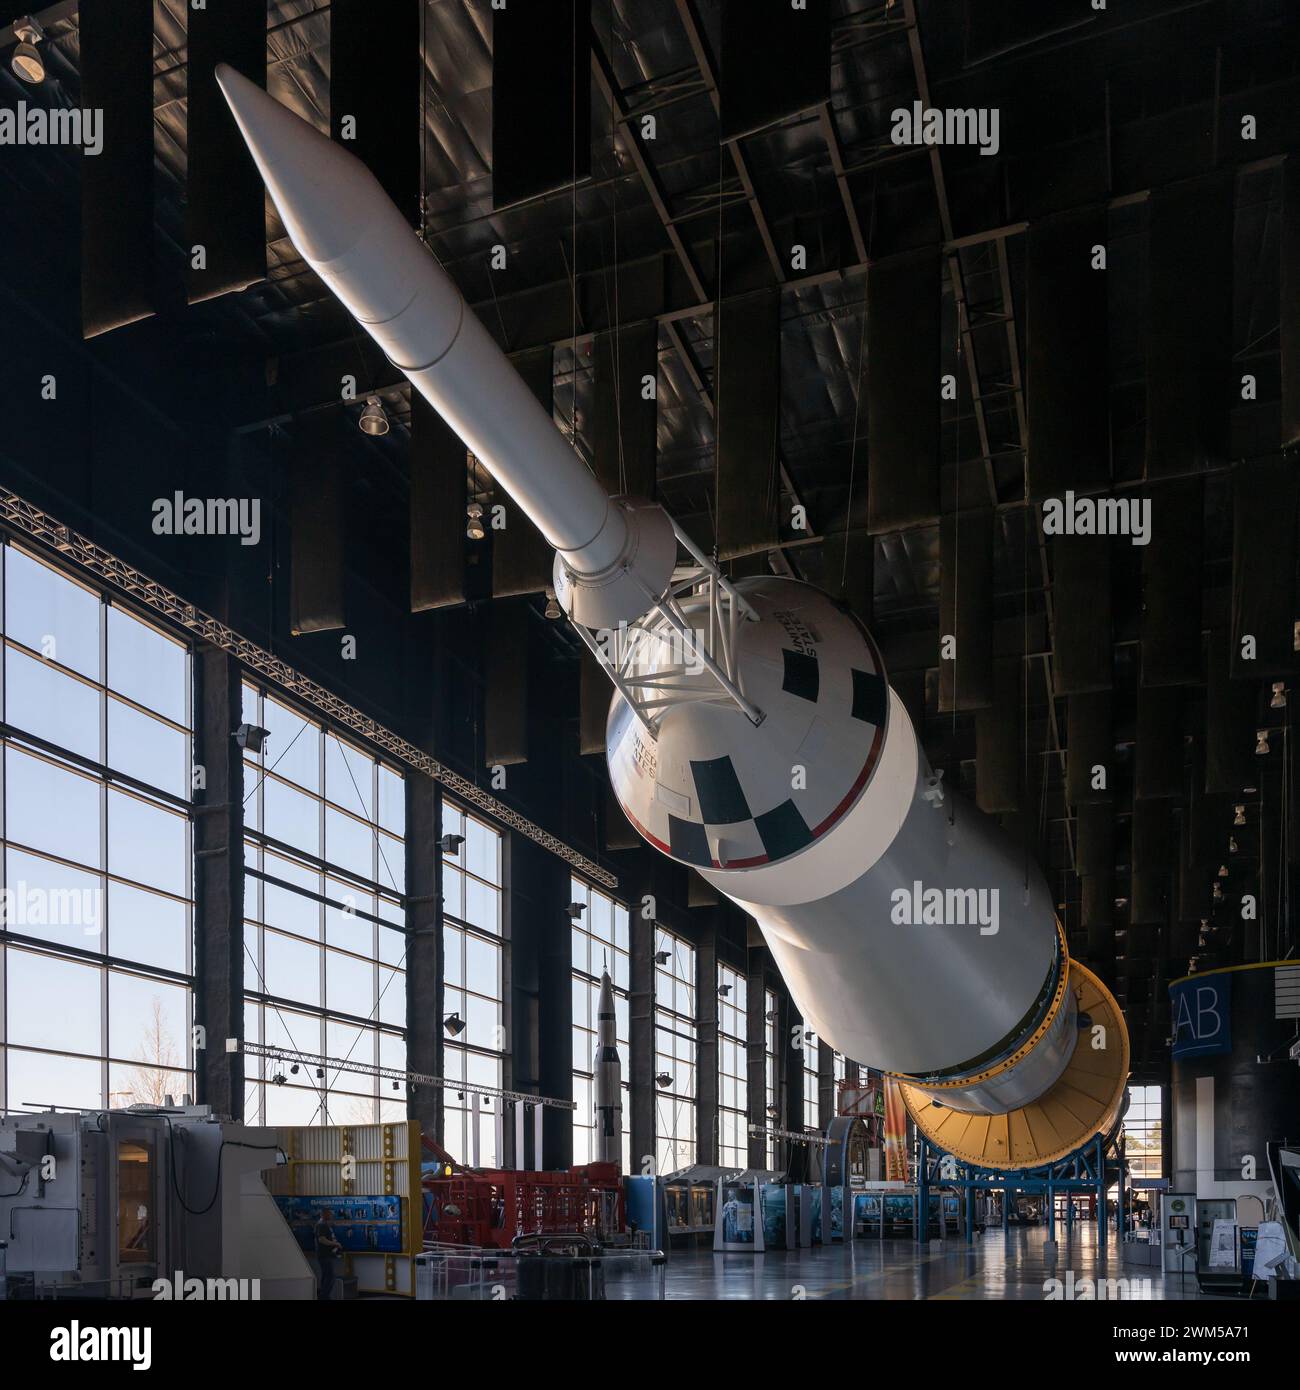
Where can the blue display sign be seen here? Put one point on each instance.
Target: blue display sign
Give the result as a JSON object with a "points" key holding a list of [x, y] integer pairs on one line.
{"points": [[1202, 1016]]}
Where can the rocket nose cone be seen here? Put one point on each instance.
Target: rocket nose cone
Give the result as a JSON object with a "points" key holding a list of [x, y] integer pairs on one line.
{"points": [[320, 190]]}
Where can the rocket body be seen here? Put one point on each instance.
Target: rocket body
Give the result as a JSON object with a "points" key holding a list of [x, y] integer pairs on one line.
{"points": [[913, 936], [608, 1079]]}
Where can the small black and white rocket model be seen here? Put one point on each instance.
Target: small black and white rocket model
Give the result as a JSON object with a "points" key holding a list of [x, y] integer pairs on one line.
{"points": [[609, 1080]]}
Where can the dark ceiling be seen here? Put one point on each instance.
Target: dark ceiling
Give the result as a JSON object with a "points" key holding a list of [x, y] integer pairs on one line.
{"points": [[1098, 108]]}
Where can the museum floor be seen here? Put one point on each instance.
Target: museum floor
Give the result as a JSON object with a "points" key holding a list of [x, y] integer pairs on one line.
{"points": [[996, 1266]]}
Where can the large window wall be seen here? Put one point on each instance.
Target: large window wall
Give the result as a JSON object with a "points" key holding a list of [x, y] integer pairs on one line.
{"points": [[325, 926], [1143, 1136], [771, 1113], [811, 1095], [675, 1052], [733, 1082], [599, 942], [473, 942], [97, 940]]}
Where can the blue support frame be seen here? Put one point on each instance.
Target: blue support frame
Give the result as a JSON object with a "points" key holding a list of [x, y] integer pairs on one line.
{"points": [[1089, 1170]]}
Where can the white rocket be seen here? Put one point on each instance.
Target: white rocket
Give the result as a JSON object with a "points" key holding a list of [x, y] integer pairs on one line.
{"points": [[608, 1079], [753, 734]]}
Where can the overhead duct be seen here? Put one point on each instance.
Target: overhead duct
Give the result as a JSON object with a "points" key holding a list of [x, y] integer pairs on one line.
{"points": [[521, 558], [902, 375], [1089, 749], [541, 98], [117, 214], [966, 610], [505, 685], [624, 417], [1158, 752], [1289, 303], [999, 741], [1172, 585], [789, 72], [1265, 493], [224, 198], [747, 396], [316, 526], [376, 72], [1083, 657], [1067, 380], [1189, 332], [981, 1026], [438, 516]]}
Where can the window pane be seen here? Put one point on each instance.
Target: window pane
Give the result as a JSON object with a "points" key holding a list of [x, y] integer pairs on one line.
{"points": [[52, 1003], [348, 773], [41, 700], [148, 928], [147, 843], [52, 809], [52, 901], [147, 667], [482, 851], [292, 969], [349, 984], [51, 614], [290, 816], [482, 966], [293, 748], [147, 1021], [290, 911], [349, 843], [392, 801], [148, 750], [37, 1078]]}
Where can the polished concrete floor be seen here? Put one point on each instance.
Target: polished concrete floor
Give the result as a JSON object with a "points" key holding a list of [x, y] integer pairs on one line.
{"points": [[996, 1266]]}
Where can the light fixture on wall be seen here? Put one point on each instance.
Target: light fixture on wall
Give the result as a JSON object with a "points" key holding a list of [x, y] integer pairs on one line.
{"points": [[374, 419], [454, 1024], [575, 911], [450, 844], [724, 990], [251, 737], [25, 61], [662, 957], [664, 1080]]}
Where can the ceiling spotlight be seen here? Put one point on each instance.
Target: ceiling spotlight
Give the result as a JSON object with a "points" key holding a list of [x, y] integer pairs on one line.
{"points": [[1261, 742], [454, 1024], [1232, 844], [397, 1085], [1279, 696], [1223, 871], [320, 1073], [450, 844], [373, 420], [27, 64], [774, 1112], [1218, 892], [664, 1080], [251, 738], [293, 1070], [279, 1078], [552, 606], [1239, 815]]}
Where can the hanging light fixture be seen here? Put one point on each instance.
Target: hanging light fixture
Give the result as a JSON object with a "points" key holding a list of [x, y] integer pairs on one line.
{"points": [[552, 605], [1279, 696], [1261, 742], [26, 62], [1239, 814], [474, 528], [373, 421]]}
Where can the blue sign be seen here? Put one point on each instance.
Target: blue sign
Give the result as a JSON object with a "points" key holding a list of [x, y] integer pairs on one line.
{"points": [[1202, 1015]]}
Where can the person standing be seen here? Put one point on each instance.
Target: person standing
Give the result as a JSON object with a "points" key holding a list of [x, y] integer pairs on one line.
{"points": [[328, 1249]]}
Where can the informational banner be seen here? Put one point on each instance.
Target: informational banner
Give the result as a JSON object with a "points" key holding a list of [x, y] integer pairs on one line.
{"points": [[739, 1224], [896, 1158], [1201, 1009], [361, 1224]]}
